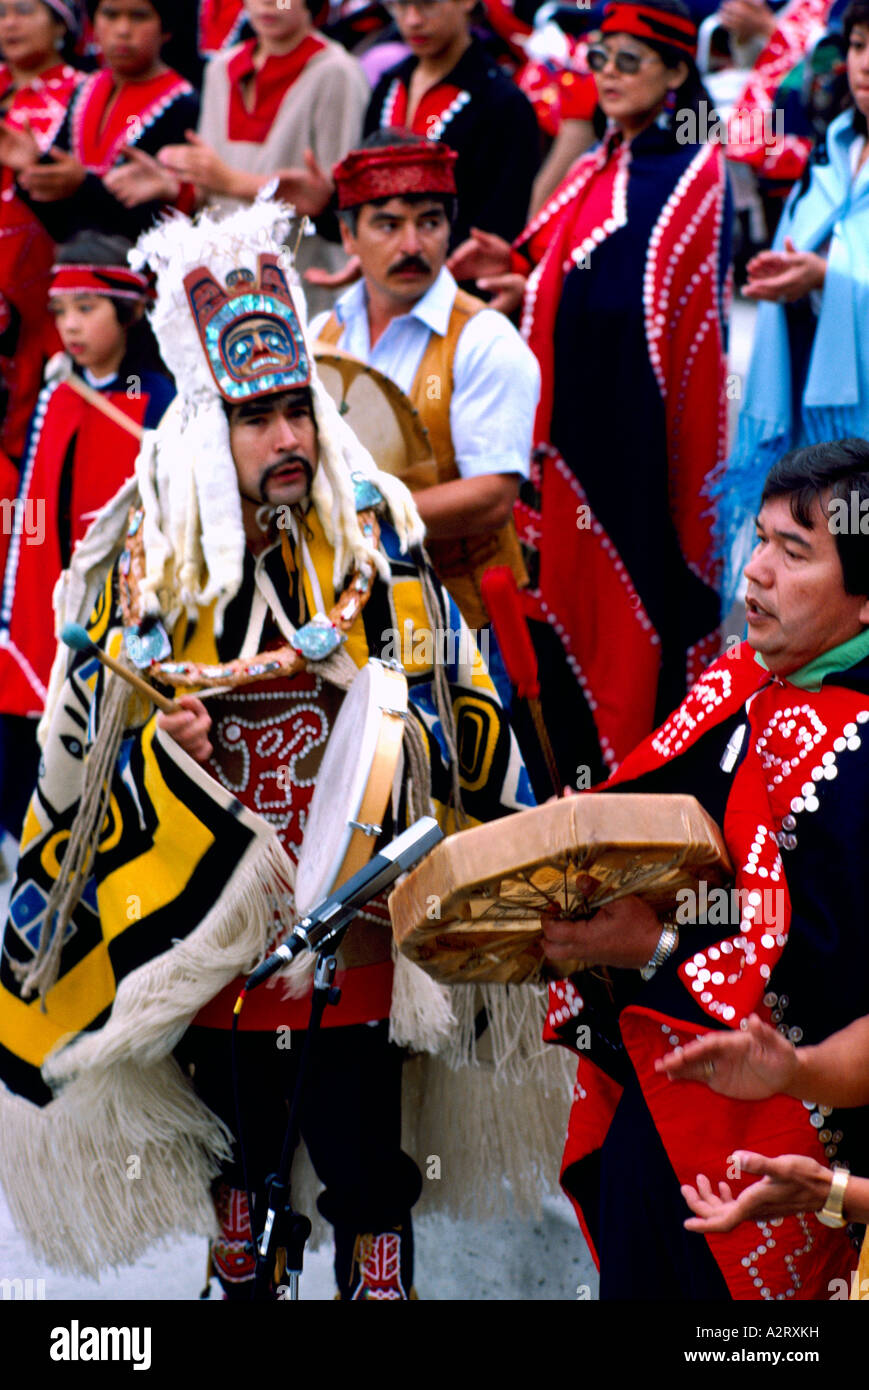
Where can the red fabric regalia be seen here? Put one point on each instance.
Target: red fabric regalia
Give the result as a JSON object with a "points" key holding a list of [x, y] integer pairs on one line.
{"points": [[268, 740], [752, 136], [791, 804], [103, 121], [26, 249], [437, 107], [220, 23], [106, 118], [624, 313], [252, 116], [558, 90], [8, 494], [76, 460]]}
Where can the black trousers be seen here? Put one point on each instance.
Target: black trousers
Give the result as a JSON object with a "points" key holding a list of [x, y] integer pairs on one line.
{"points": [[350, 1116]]}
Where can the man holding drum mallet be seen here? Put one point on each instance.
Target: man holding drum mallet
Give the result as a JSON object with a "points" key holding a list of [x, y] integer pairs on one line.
{"points": [[260, 560], [773, 743]]}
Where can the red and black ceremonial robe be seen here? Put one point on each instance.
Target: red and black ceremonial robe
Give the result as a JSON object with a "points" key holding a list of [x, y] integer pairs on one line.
{"points": [[624, 311], [103, 120], [790, 943]]}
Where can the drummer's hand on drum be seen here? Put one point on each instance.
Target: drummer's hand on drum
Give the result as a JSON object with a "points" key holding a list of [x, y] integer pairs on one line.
{"points": [[623, 934], [189, 727]]}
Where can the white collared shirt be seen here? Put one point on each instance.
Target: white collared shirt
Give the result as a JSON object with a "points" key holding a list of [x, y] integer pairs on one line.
{"points": [[496, 379]]}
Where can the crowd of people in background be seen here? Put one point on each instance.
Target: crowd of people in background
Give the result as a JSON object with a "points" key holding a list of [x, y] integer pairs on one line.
{"points": [[620, 171], [118, 112]]}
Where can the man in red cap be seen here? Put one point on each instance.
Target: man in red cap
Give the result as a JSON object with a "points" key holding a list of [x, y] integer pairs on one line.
{"points": [[465, 368]]}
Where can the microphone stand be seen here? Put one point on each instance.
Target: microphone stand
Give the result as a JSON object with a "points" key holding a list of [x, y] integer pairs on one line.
{"points": [[322, 932], [285, 1228]]}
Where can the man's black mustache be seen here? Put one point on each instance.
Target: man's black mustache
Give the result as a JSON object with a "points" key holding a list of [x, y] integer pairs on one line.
{"points": [[411, 263], [284, 463]]}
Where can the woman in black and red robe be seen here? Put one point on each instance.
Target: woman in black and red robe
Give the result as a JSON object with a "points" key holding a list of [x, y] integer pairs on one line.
{"points": [[624, 309]]}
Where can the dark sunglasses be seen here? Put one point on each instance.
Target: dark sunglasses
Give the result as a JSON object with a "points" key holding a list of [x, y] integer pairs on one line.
{"points": [[626, 62]]}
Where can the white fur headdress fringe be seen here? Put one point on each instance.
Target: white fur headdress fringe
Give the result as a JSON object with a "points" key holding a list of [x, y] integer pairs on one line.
{"points": [[194, 538]]}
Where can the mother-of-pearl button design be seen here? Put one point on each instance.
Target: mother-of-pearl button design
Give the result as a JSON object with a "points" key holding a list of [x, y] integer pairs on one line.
{"points": [[702, 700]]}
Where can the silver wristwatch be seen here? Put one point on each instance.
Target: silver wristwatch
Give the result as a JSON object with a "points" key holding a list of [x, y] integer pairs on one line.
{"points": [[667, 943]]}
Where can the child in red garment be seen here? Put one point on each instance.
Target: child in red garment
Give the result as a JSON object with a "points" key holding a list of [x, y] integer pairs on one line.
{"points": [[96, 173], [37, 82], [77, 458]]}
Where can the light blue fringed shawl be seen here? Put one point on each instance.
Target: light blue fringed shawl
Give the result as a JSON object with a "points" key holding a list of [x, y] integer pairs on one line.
{"points": [[836, 395]]}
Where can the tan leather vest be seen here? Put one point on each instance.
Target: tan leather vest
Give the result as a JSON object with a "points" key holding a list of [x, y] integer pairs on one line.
{"points": [[461, 563]]}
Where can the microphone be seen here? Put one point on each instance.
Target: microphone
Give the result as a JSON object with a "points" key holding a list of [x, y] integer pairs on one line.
{"points": [[316, 931]]}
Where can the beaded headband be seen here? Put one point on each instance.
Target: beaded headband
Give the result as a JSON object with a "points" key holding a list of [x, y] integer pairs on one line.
{"points": [[394, 170], [69, 12], [115, 281], [250, 332], [648, 22]]}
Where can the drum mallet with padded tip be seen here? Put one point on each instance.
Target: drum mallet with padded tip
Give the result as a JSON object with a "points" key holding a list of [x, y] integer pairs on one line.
{"points": [[76, 637]]}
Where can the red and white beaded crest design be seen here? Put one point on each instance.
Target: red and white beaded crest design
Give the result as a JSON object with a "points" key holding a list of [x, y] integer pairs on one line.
{"points": [[704, 699], [263, 738], [793, 759], [730, 977]]}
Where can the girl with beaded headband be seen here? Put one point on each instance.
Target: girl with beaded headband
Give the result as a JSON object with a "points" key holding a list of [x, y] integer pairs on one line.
{"points": [[78, 455]]}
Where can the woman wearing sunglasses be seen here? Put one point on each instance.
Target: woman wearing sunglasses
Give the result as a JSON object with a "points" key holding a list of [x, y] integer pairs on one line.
{"points": [[621, 277]]}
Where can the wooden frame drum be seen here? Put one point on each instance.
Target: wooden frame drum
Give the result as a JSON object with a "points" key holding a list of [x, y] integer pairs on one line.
{"points": [[472, 910], [380, 415]]}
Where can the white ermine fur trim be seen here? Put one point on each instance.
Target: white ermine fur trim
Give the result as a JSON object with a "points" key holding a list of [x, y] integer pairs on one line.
{"points": [[155, 1004]]}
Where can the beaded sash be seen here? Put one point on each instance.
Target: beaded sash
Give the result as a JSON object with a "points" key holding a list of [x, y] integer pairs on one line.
{"points": [[316, 640]]}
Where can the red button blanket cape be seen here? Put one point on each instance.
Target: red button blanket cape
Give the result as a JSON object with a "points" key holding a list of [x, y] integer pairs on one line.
{"points": [[103, 458], [585, 588], [26, 249], [793, 735]]}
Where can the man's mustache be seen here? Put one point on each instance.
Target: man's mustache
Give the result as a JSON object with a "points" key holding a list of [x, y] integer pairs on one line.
{"points": [[410, 263], [284, 463]]}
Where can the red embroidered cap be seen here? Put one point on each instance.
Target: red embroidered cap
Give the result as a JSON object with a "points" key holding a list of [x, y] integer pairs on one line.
{"points": [[391, 171]]}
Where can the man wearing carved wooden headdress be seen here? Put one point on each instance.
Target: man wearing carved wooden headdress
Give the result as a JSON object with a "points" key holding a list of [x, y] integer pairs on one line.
{"points": [[260, 561]]}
